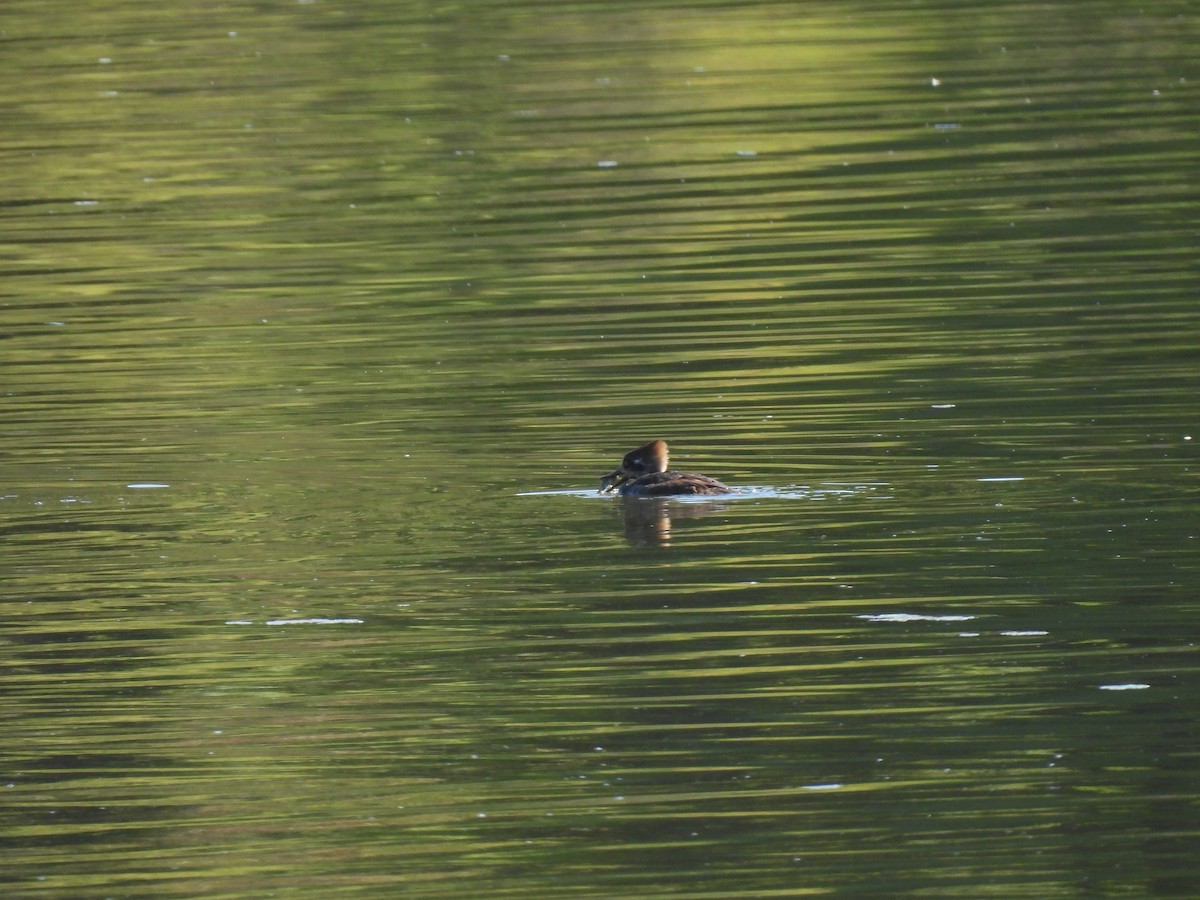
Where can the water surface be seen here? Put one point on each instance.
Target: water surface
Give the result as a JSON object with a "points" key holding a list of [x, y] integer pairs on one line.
{"points": [[320, 324]]}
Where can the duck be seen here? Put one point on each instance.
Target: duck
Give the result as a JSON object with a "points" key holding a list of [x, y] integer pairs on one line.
{"points": [[643, 473]]}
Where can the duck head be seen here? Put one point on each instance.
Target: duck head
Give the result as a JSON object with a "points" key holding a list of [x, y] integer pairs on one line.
{"points": [[651, 457]]}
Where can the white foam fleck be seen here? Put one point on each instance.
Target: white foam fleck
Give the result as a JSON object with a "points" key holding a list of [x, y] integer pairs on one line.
{"points": [[911, 617]]}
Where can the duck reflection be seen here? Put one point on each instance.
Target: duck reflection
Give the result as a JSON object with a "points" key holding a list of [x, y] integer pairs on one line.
{"points": [[645, 484], [647, 520]]}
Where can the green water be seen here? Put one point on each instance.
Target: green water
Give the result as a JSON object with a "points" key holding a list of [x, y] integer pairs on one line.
{"points": [[320, 324]]}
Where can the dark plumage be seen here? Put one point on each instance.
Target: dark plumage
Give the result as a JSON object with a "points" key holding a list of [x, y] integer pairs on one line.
{"points": [[643, 473]]}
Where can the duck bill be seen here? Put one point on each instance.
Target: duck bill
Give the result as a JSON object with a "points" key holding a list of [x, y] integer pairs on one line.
{"points": [[612, 481]]}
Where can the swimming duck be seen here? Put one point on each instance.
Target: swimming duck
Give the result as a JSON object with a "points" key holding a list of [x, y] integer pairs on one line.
{"points": [[643, 473]]}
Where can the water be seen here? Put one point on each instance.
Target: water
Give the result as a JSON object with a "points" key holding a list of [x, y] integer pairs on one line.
{"points": [[322, 323]]}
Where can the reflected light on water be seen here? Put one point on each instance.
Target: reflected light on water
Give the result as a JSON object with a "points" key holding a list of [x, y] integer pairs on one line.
{"points": [[318, 320]]}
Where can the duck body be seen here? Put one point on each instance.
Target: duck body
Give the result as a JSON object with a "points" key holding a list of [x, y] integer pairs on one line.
{"points": [[644, 473], [669, 484]]}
